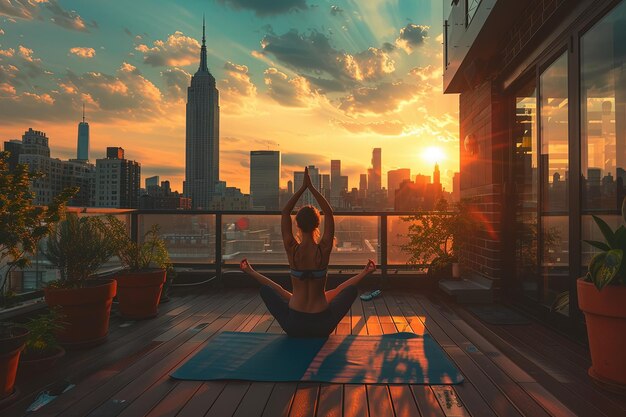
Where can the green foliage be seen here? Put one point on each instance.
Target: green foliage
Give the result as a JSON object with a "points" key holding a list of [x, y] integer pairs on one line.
{"points": [[439, 236], [152, 253], [608, 266], [78, 247], [41, 339], [22, 223]]}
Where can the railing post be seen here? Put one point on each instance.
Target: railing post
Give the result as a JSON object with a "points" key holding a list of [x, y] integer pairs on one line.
{"points": [[383, 245], [218, 246]]}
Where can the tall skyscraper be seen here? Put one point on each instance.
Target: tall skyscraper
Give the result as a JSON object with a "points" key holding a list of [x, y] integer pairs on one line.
{"points": [[374, 180], [395, 177], [362, 185], [82, 150], [456, 187], [203, 134], [265, 179], [335, 174]]}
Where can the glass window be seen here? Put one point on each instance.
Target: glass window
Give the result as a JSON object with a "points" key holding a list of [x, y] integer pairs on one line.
{"points": [[471, 8], [603, 124], [525, 159], [554, 159]]}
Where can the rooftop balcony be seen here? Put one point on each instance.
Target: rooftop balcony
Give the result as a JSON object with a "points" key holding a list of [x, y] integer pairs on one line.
{"points": [[522, 369]]}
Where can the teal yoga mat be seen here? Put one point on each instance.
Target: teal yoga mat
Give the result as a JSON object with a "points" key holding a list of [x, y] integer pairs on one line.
{"points": [[401, 358]]}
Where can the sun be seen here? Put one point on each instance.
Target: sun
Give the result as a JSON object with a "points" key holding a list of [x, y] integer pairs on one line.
{"points": [[433, 154]]}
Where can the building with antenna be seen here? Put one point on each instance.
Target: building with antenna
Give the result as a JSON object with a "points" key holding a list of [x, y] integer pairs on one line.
{"points": [[202, 134], [82, 150]]}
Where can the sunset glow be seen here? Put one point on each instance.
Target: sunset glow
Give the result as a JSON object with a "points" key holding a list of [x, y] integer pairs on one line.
{"points": [[313, 82]]}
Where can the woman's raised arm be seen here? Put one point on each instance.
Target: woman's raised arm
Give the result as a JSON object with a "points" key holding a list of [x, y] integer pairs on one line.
{"points": [[329, 219], [285, 221]]}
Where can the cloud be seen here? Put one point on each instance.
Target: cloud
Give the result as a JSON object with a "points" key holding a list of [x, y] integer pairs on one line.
{"points": [[237, 84], [427, 73], [20, 67], [267, 7], [36, 9], [83, 52], [294, 92], [380, 99], [384, 127], [22, 9], [412, 36], [176, 82], [335, 10], [300, 160], [314, 54], [177, 51], [67, 19]]}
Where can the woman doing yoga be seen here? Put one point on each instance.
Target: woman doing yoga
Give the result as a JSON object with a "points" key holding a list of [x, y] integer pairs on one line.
{"points": [[310, 311]]}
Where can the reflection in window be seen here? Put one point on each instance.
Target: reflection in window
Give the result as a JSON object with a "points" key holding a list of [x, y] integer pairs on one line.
{"points": [[554, 140], [603, 125], [526, 184], [603, 112]]}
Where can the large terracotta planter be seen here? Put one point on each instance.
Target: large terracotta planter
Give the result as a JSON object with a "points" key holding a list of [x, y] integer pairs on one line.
{"points": [[86, 312], [605, 315], [10, 349], [139, 293]]}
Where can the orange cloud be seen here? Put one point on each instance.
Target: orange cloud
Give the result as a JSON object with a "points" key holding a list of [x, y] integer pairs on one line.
{"points": [[83, 52], [177, 50]]}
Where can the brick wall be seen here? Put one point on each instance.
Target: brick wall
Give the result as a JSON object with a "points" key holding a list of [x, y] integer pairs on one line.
{"points": [[483, 118], [536, 19]]}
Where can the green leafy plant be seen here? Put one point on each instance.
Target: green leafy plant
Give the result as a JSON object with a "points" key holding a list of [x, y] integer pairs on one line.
{"points": [[78, 247], [22, 223], [437, 238], [608, 266], [134, 256], [41, 340]]}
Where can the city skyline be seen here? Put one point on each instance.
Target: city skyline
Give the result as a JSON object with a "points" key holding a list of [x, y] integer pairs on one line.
{"points": [[391, 51]]}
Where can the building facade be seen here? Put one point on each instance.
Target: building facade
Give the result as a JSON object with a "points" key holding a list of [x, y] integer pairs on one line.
{"points": [[395, 177], [542, 89], [374, 174], [82, 148], [202, 143], [117, 180], [265, 179]]}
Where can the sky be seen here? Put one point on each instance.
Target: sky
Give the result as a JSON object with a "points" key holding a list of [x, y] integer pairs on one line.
{"points": [[315, 79]]}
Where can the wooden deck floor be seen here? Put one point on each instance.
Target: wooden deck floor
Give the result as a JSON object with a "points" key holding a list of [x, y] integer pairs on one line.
{"points": [[509, 370]]}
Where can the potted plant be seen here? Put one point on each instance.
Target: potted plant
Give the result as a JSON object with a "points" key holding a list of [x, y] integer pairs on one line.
{"points": [[42, 349], [12, 339], [602, 298], [78, 247], [22, 225], [436, 238], [146, 264]]}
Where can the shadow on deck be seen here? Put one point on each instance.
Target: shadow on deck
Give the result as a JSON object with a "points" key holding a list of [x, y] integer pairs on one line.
{"points": [[515, 370]]}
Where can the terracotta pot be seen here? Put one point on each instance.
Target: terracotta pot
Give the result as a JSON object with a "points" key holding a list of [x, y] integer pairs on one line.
{"points": [[138, 293], [605, 316], [36, 365], [86, 312], [10, 349]]}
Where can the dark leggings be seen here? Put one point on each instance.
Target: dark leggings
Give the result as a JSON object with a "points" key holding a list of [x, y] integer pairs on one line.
{"points": [[299, 324]]}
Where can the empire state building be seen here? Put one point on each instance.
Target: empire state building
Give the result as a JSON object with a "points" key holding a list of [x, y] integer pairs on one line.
{"points": [[202, 146]]}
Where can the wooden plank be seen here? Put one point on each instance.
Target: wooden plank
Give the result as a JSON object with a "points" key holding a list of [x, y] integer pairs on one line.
{"points": [[371, 318], [379, 401], [176, 399], [355, 401], [279, 403], [305, 400], [403, 402], [450, 402], [358, 318], [228, 400], [149, 386], [254, 401], [549, 401], [203, 399], [384, 317], [81, 402], [426, 401], [330, 401]]}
